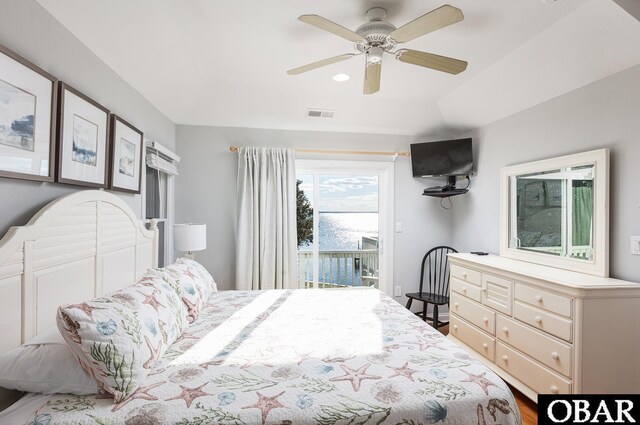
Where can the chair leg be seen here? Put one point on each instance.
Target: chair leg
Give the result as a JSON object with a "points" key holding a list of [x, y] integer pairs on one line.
{"points": [[435, 316], [424, 311], [409, 303]]}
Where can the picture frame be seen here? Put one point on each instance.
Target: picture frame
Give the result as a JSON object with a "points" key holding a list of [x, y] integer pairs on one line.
{"points": [[83, 140], [127, 143], [28, 110]]}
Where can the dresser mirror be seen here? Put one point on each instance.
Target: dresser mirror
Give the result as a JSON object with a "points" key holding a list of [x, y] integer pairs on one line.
{"points": [[555, 212]]}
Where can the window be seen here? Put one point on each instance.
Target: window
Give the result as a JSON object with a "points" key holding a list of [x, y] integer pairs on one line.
{"points": [[161, 169]]}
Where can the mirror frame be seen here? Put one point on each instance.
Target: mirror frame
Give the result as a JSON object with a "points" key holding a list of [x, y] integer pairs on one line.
{"points": [[599, 265]]}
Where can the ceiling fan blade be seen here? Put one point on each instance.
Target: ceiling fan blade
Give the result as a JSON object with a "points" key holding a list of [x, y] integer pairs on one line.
{"points": [[324, 62], [439, 18], [429, 60], [330, 26], [372, 78]]}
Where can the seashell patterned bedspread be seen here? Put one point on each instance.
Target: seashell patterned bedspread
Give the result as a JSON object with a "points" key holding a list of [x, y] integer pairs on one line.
{"points": [[327, 357]]}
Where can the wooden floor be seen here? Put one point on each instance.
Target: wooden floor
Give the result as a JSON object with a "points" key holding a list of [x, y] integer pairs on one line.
{"points": [[528, 409]]}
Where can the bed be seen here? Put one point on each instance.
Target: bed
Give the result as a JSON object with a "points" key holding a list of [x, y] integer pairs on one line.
{"points": [[311, 356]]}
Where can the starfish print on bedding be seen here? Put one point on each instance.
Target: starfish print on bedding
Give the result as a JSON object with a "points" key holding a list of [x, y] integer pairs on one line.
{"points": [[151, 300], [405, 371], [155, 353], [480, 380], [125, 299], [266, 405], [356, 376], [86, 309], [190, 394], [192, 310], [141, 393], [425, 343]]}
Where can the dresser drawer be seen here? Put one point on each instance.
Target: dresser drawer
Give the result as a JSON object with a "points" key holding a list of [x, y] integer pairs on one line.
{"points": [[546, 350], [544, 300], [535, 376], [474, 313], [467, 289], [474, 338], [497, 293], [543, 320], [466, 275]]}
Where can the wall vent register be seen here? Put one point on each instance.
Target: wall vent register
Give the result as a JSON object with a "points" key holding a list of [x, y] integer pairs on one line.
{"points": [[320, 113]]}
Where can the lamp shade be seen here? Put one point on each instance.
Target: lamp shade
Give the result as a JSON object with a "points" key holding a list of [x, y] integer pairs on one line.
{"points": [[189, 237]]}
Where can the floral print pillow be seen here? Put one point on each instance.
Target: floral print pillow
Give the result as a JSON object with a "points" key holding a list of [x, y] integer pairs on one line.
{"points": [[193, 284], [119, 337]]}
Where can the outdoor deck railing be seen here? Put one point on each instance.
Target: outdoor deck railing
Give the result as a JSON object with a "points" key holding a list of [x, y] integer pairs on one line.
{"points": [[339, 269]]}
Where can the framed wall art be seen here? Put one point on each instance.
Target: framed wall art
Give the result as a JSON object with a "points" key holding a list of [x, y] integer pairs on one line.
{"points": [[27, 119], [126, 156], [83, 140]]}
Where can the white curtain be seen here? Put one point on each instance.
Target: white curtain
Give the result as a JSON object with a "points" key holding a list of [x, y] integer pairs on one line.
{"points": [[266, 237]]}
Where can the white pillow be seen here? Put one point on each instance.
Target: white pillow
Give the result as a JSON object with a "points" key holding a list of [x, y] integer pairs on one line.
{"points": [[45, 364]]}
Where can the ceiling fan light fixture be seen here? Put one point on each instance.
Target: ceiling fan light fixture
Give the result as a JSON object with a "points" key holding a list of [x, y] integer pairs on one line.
{"points": [[374, 55], [341, 78]]}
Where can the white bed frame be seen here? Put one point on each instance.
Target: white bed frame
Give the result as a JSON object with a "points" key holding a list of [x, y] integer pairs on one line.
{"points": [[76, 248]]}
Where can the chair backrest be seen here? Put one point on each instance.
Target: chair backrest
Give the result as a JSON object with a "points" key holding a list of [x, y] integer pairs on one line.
{"points": [[435, 268]]}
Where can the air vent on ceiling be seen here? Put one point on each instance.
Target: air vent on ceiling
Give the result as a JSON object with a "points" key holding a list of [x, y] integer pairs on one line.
{"points": [[320, 113]]}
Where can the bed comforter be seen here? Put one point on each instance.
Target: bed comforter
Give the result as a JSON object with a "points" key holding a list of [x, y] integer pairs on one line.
{"points": [[327, 357]]}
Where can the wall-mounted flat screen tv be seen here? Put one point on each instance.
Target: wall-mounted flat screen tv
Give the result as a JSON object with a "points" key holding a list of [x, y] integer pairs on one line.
{"points": [[445, 158]]}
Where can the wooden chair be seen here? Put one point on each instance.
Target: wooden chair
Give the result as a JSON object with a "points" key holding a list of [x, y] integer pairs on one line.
{"points": [[435, 265]]}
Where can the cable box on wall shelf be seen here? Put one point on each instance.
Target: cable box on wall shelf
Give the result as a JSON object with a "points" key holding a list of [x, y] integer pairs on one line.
{"points": [[444, 194]]}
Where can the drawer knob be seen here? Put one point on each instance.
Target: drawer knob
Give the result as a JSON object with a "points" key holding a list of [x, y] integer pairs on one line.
{"points": [[485, 345], [537, 319], [455, 327], [505, 358], [464, 289], [464, 275], [554, 389], [538, 298], [455, 305], [555, 355], [505, 330], [485, 319]]}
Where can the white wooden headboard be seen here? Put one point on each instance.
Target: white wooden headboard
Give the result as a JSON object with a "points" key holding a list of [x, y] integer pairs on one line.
{"points": [[76, 248]]}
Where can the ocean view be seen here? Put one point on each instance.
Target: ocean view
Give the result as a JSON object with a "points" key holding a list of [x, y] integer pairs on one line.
{"points": [[344, 231]]}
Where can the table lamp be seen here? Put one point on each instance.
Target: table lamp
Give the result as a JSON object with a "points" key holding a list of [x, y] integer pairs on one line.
{"points": [[189, 237]]}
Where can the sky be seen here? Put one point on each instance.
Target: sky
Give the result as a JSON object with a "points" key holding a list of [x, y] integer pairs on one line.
{"points": [[339, 193]]}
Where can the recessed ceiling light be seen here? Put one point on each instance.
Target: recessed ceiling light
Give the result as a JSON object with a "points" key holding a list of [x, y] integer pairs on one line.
{"points": [[341, 77]]}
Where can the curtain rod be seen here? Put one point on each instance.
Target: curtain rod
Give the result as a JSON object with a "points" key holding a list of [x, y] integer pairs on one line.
{"points": [[338, 152]]}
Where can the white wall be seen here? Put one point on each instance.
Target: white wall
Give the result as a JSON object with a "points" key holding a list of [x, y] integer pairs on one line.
{"points": [[603, 114], [206, 193], [30, 31]]}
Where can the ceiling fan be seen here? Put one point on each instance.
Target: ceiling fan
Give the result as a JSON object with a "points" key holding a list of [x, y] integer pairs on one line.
{"points": [[377, 37]]}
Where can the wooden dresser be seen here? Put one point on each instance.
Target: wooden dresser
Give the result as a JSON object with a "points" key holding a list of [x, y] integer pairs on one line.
{"points": [[546, 330]]}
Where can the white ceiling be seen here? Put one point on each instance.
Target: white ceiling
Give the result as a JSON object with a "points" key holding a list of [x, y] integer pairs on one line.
{"points": [[224, 63]]}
